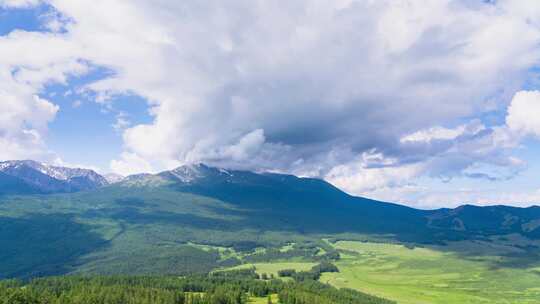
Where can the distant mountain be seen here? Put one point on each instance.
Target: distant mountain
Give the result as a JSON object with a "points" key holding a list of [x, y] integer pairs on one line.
{"points": [[34, 177], [13, 185], [490, 220], [113, 178]]}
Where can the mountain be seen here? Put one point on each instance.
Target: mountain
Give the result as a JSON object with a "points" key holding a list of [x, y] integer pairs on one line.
{"points": [[113, 178], [490, 220], [35, 177], [154, 223], [13, 185], [310, 204]]}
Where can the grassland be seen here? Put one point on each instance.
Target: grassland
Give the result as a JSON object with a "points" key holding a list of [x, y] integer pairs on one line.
{"points": [[254, 300], [432, 275], [263, 300], [461, 272], [273, 267]]}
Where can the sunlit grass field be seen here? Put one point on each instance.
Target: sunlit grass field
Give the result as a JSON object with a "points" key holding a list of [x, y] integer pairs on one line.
{"points": [[423, 275], [430, 275], [274, 267], [263, 300]]}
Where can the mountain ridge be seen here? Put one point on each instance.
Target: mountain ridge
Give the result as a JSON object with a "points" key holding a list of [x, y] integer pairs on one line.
{"points": [[46, 178], [280, 194], [298, 194], [186, 174], [118, 227]]}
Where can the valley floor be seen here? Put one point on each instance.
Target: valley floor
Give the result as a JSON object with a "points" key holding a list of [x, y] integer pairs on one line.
{"points": [[164, 232], [425, 275]]}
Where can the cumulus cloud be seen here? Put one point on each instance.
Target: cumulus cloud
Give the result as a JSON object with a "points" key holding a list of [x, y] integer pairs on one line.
{"points": [[24, 115], [524, 113], [471, 150], [130, 163], [329, 81], [361, 179], [23, 121], [369, 94]]}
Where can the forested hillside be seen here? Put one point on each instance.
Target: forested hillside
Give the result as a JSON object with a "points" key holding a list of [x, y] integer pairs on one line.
{"points": [[166, 218]]}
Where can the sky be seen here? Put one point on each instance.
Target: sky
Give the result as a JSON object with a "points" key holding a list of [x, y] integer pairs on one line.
{"points": [[428, 103]]}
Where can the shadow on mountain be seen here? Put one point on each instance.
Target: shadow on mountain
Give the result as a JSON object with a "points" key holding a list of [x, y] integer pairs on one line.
{"points": [[286, 220], [135, 216], [525, 259], [314, 207], [43, 244], [512, 256], [241, 210], [133, 202]]}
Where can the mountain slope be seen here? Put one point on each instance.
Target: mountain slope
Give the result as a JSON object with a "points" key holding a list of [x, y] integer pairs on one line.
{"points": [[490, 220], [153, 223], [285, 196], [13, 185], [49, 179]]}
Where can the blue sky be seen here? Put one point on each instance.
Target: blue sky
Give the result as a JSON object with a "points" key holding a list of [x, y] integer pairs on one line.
{"points": [[426, 104], [21, 19], [83, 131]]}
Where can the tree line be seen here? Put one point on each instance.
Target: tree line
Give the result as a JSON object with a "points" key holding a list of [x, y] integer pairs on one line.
{"points": [[234, 287]]}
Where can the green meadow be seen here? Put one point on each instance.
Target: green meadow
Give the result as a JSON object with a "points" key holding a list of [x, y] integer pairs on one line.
{"points": [[263, 300], [272, 268], [432, 275], [422, 275]]}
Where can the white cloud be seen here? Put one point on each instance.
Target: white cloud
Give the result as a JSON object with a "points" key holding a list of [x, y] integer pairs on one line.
{"points": [[129, 164], [470, 150], [19, 3], [24, 116], [122, 122], [357, 178], [358, 91], [244, 150], [442, 133], [524, 113], [354, 76], [23, 120]]}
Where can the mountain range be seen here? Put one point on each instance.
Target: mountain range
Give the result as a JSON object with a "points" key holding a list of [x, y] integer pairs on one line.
{"points": [[28, 176], [75, 220]]}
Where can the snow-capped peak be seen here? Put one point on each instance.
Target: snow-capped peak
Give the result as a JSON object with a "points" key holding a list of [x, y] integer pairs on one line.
{"points": [[59, 173], [52, 178], [193, 172], [113, 178], [189, 173]]}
